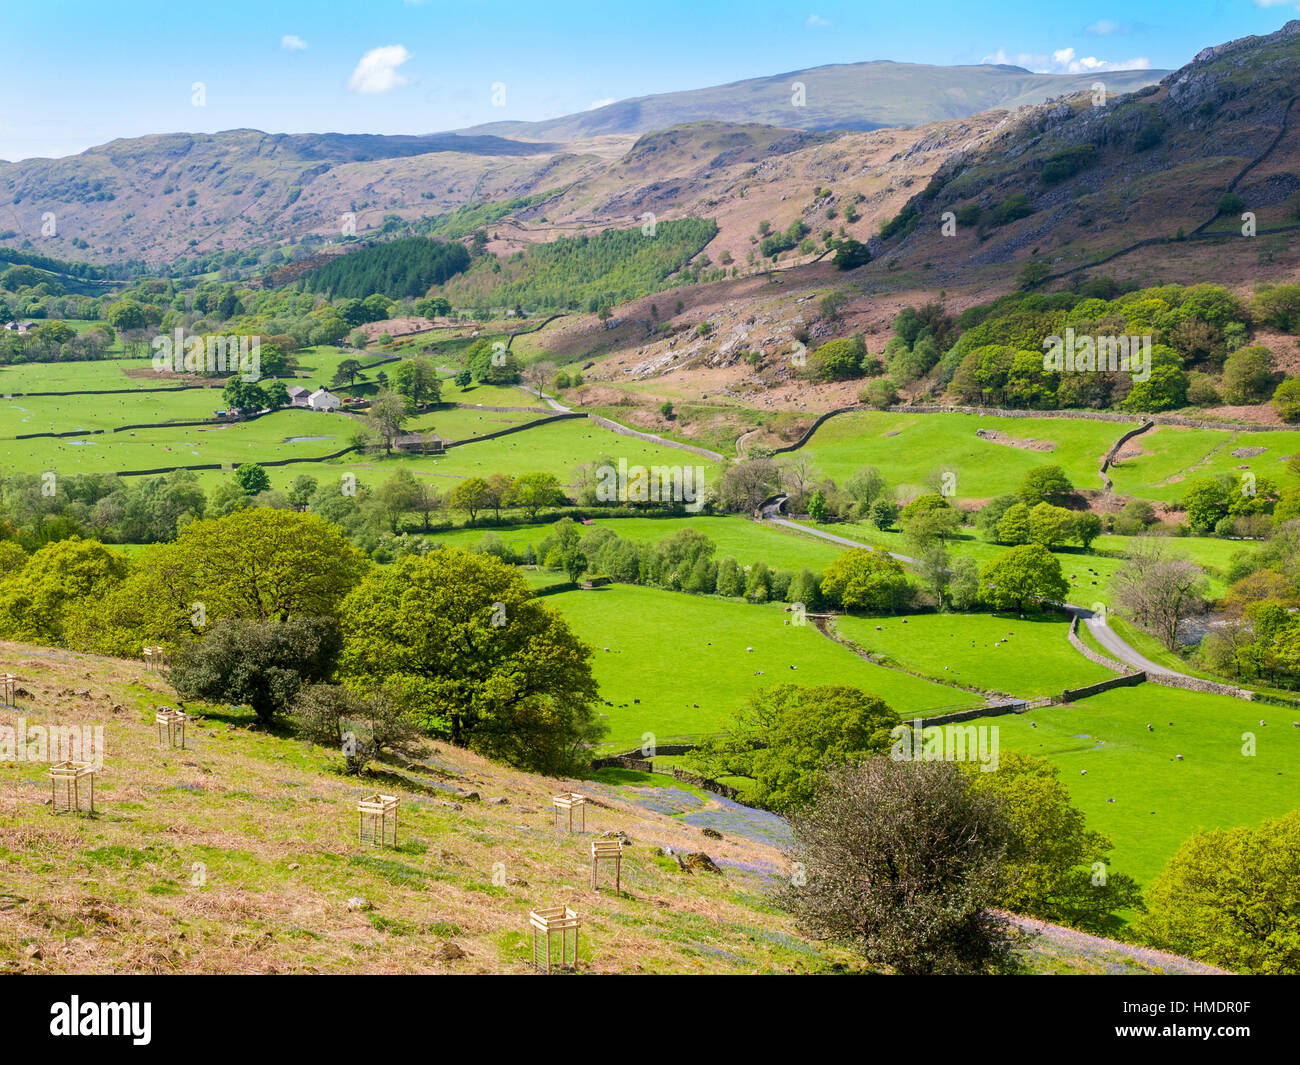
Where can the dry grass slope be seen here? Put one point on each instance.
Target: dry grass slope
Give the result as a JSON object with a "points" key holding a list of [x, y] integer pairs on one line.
{"points": [[240, 854]]}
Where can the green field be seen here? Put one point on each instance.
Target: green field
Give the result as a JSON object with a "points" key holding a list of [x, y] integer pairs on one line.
{"points": [[1158, 800], [685, 657], [1171, 457], [1027, 657], [556, 448], [908, 448], [1088, 574]]}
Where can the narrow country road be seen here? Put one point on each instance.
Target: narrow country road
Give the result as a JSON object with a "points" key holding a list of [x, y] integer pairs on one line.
{"points": [[1103, 633]]}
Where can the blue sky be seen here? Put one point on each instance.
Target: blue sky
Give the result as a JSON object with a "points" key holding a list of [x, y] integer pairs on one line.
{"points": [[77, 73]]}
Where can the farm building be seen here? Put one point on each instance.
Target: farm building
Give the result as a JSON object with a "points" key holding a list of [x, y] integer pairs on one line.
{"points": [[421, 444], [298, 395], [322, 400]]}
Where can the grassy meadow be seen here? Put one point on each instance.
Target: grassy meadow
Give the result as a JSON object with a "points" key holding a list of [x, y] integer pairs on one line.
{"points": [[688, 659]]}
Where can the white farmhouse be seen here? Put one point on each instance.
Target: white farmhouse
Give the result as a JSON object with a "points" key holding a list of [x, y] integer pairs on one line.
{"points": [[322, 400]]}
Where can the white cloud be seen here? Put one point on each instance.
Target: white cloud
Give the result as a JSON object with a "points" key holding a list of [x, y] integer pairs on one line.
{"points": [[1065, 61], [817, 20], [377, 71], [291, 42], [600, 103], [1104, 28]]}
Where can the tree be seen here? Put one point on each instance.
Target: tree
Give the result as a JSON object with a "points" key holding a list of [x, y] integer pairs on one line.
{"points": [[1024, 575], [243, 395], [58, 581], [850, 254], [395, 498], [929, 527], [866, 580], [1013, 526], [1049, 525], [924, 503], [426, 502], [1053, 859], [1045, 484], [464, 378], [252, 479], [884, 513], [1232, 897], [1248, 375], [277, 394], [1158, 591], [817, 508], [1206, 502], [262, 664], [866, 486], [126, 315], [417, 381], [731, 578], [744, 486], [347, 372], [935, 571], [785, 736], [384, 420], [1165, 389], [460, 641], [301, 490], [1087, 527], [471, 496], [964, 584], [1286, 400], [533, 491], [227, 497], [499, 488], [903, 863], [327, 713], [434, 307], [264, 564]]}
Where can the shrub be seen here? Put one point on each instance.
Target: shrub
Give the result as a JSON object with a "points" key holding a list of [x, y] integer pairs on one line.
{"points": [[262, 664], [361, 727], [904, 865]]}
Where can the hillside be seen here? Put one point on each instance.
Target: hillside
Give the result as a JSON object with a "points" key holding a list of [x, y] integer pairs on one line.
{"points": [[239, 854], [860, 96], [167, 196], [1129, 190], [1135, 184]]}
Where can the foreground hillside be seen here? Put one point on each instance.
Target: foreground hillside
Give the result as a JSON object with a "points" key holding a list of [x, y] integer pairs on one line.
{"points": [[239, 854]]}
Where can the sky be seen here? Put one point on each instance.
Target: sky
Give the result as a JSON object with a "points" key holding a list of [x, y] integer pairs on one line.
{"points": [[77, 73]]}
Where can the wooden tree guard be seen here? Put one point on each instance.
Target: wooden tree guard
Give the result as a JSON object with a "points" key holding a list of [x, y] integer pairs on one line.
{"points": [[154, 657], [377, 818], [65, 783], [569, 801], [8, 685], [545, 924], [607, 850], [174, 721]]}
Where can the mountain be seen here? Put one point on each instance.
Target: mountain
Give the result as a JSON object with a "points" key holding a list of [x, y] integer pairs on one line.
{"points": [[1160, 177], [167, 196], [859, 96]]}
